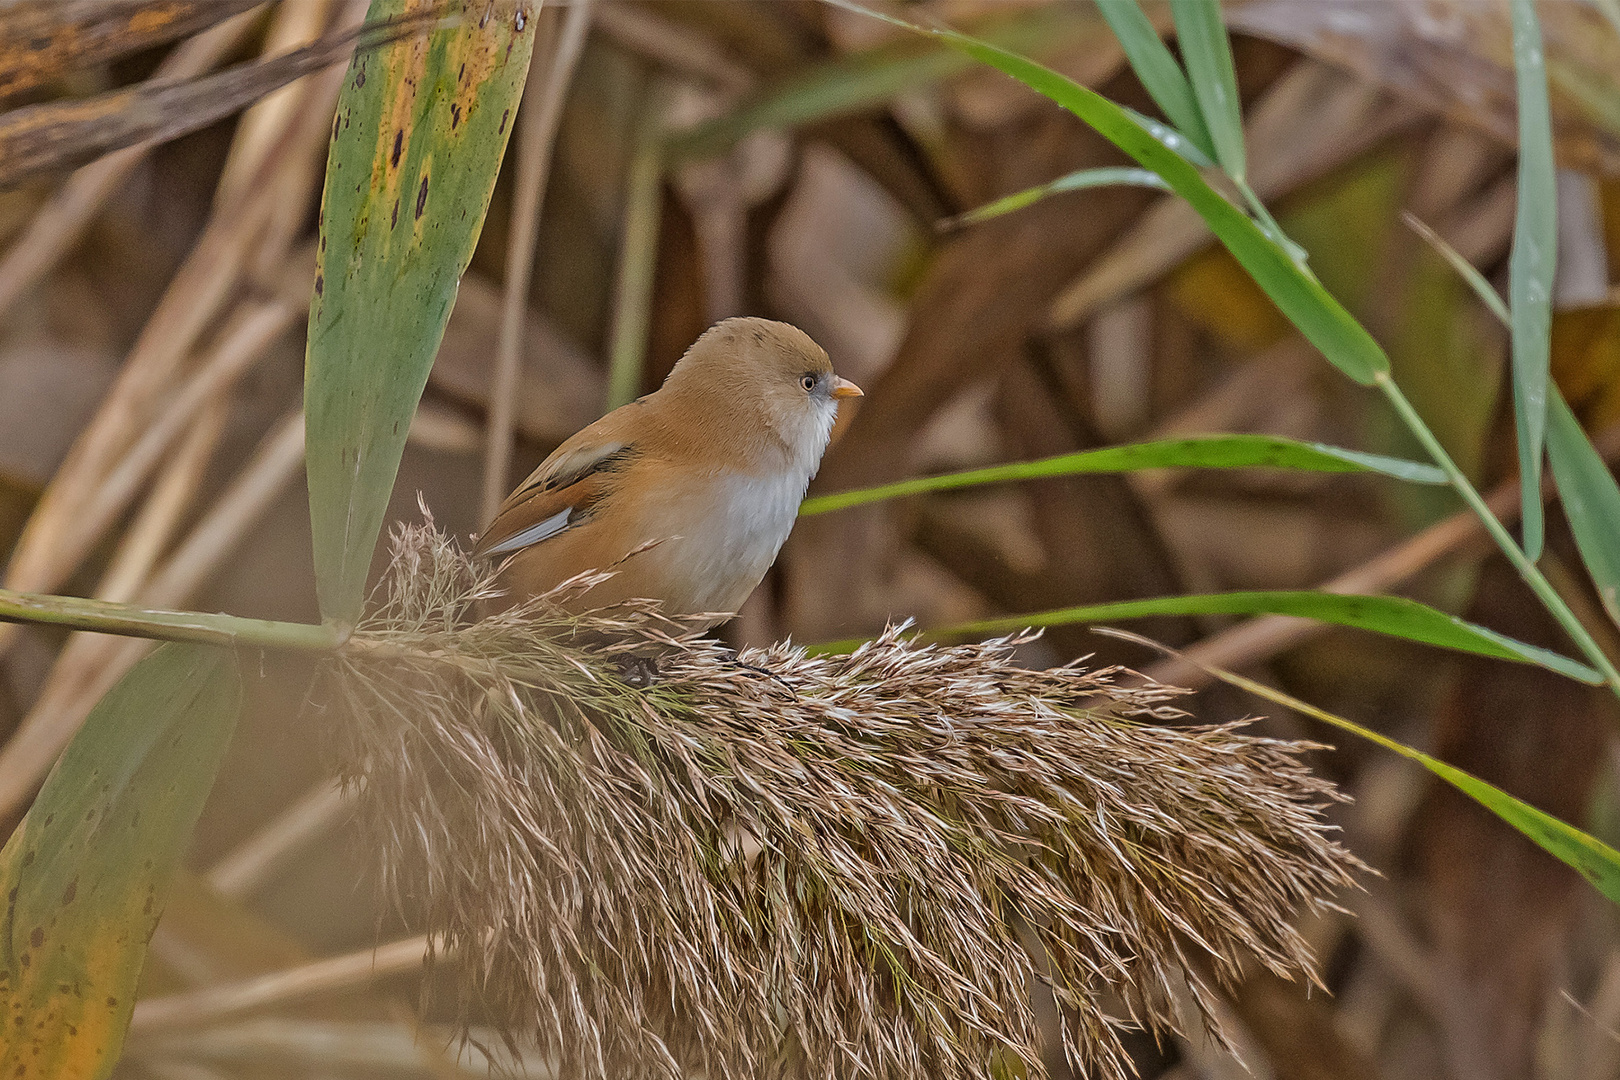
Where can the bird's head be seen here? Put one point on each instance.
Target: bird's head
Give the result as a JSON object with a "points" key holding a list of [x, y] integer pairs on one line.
{"points": [[762, 382]]}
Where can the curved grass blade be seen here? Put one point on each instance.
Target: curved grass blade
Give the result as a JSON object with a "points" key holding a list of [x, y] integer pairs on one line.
{"points": [[1586, 487], [1202, 37], [1591, 500], [1075, 181], [88, 871], [1531, 266], [1157, 69], [1205, 452], [1294, 289], [849, 84], [1392, 615], [1465, 269], [417, 142], [1594, 860]]}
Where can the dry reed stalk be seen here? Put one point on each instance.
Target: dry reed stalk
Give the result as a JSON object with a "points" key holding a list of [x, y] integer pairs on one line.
{"points": [[177, 1012], [259, 129], [539, 117], [61, 221], [200, 290], [149, 534], [772, 864], [91, 664], [246, 336], [252, 863]]}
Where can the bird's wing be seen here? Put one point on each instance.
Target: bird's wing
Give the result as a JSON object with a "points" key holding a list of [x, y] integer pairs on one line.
{"points": [[558, 494]]}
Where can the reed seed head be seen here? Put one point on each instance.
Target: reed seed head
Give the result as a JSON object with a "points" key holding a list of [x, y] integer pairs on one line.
{"points": [[778, 864]]}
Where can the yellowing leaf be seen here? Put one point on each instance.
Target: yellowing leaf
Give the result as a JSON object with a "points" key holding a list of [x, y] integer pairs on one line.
{"points": [[417, 142], [87, 873]]}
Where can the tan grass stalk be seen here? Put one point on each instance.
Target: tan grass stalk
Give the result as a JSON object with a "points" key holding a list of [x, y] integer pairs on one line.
{"points": [[539, 118], [772, 864]]}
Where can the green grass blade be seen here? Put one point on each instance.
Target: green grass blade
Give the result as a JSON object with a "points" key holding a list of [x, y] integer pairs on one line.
{"points": [[1203, 452], [1594, 860], [1075, 181], [1157, 69], [1531, 266], [1172, 139], [1392, 615], [1587, 488], [1301, 298], [1208, 54], [88, 871], [1465, 269], [420, 130], [1591, 500], [850, 84]]}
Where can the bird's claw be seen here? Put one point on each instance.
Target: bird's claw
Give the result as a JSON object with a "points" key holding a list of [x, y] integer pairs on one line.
{"points": [[638, 671]]}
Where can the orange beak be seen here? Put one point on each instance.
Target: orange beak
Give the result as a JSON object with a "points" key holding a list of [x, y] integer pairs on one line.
{"points": [[843, 388]]}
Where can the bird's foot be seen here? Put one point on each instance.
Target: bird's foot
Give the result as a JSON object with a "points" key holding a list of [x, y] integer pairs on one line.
{"points": [[757, 670], [638, 671]]}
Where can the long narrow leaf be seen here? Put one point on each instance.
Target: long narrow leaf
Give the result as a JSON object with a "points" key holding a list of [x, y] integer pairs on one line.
{"points": [[88, 871], [1587, 489], [1392, 615], [1080, 180], [1594, 860], [1531, 266], [1157, 69], [1465, 269], [417, 142], [1591, 500], [1302, 299], [1208, 54], [1205, 452], [851, 83]]}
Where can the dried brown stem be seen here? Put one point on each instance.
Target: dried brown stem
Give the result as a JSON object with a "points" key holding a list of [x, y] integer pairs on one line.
{"points": [[539, 117], [58, 224], [211, 1004]]}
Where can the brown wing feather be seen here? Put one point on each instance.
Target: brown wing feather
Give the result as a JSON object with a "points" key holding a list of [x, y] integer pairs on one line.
{"points": [[577, 475]]}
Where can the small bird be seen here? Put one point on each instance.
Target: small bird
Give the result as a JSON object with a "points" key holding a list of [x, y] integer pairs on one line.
{"points": [[688, 493]]}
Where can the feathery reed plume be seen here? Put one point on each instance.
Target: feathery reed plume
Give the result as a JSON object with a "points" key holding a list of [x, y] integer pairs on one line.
{"points": [[774, 864]]}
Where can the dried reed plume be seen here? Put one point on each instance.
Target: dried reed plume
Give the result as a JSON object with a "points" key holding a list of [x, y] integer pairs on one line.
{"points": [[774, 864]]}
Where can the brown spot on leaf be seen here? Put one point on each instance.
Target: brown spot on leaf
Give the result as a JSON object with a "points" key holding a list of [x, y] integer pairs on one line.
{"points": [[421, 198], [393, 218], [399, 144], [320, 284], [455, 116], [504, 114], [71, 891], [36, 936]]}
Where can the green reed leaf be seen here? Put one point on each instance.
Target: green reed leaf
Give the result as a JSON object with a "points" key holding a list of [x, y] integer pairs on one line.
{"points": [[1393, 615], [89, 869], [1199, 452], [1594, 860], [1591, 500], [417, 141], [1532, 264], [1080, 180], [1293, 288], [1157, 70], [1208, 54]]}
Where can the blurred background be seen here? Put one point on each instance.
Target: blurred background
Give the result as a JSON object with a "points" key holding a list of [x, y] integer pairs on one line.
{"points": [[784, 158]]}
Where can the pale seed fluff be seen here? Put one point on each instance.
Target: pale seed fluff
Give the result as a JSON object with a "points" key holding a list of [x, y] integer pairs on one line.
{"points": [[776, 864]]}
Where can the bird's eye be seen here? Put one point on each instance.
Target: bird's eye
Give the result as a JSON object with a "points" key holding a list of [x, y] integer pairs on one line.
{"points": [[808, 382]]}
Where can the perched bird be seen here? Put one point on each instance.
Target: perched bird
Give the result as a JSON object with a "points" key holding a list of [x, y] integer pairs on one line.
{"points": [[708, 470]]}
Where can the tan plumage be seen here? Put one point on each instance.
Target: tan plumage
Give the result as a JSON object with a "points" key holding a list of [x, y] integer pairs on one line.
{"points": [[709, 469]]}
